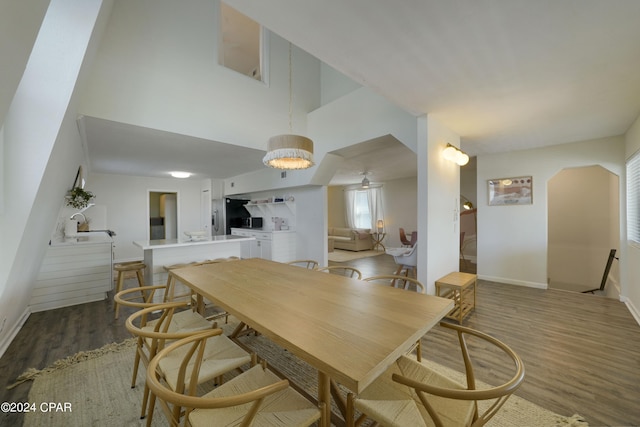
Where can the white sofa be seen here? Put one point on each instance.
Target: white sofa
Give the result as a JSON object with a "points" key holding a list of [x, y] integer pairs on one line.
{"points": [[351, 239]]}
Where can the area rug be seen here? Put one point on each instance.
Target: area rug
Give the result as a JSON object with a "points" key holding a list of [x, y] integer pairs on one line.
{"points": [[94, 390], [345, 256]]}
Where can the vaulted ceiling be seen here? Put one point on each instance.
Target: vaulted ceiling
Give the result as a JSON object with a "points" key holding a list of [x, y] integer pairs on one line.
{"points": [[503, 74]]}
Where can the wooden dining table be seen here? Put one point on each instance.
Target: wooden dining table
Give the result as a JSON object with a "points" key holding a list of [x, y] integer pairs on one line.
{"points": [[350, 330]]}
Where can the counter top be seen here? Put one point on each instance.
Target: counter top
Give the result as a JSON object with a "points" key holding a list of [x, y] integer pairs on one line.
{"points": [[83, 238], [173, 243], [263, 230]]}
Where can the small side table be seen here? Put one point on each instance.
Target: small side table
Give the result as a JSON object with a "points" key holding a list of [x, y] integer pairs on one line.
{"points": [[377, 240], [461, 288]]}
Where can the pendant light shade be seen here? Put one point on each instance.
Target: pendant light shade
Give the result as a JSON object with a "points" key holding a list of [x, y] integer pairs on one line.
{"points": [[289, 152], [365, 182]]}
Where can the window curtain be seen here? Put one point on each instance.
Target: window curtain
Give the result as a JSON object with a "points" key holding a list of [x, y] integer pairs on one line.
{"points": [[374, 199], [350, 207], [375, 206]]}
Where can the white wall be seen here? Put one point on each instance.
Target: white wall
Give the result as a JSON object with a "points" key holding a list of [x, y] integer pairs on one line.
{"points": [[157, 67], [19, 25], [400, 204], [334, 84], [583, 206], [126, 201], [512, 240], [438, 203], [42, 148]]}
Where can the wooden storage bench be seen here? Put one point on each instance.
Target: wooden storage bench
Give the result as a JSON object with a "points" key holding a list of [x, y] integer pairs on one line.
{"points": [[461, 288]]}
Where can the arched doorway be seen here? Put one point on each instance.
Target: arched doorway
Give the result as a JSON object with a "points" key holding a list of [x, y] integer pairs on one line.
{"points": [[584, 225]]}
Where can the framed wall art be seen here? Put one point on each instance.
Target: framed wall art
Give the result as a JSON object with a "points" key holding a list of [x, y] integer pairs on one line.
{"points": [[510, 191]]}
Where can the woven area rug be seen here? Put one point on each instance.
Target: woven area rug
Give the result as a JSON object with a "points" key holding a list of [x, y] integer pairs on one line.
{"points": [[96, 387], [345, 256]]}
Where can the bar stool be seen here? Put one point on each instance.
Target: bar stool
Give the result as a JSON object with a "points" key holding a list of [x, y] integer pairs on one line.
{"points": [[170, 295], [122, 268]]}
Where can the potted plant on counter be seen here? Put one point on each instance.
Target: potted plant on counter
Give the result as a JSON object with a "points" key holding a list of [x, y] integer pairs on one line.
{"points": [[79, 198]]}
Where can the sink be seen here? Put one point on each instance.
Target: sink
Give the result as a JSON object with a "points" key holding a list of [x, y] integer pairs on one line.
{"points": [[111, 233]]}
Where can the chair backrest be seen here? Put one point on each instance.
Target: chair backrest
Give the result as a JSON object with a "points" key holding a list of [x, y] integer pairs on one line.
{"points": [[306, 263], [410, 258], [343, 270], [191, 349], [500, 393], [149, 291], [401, 282], [163, 328], [403, 238], [414, 238]]}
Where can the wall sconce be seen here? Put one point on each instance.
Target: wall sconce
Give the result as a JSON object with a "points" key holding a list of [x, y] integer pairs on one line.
{"points": [[380, 225], [455, 155]]}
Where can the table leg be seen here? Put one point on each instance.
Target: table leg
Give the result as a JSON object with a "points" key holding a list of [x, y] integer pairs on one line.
{"points": [[324, 398]]}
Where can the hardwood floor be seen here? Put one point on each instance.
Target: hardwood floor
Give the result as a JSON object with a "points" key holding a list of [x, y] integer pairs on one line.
{"points": [[581, 352]]}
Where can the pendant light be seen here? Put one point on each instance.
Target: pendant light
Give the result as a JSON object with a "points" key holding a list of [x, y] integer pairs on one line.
{"points": [[289, 151], [365, 182]]}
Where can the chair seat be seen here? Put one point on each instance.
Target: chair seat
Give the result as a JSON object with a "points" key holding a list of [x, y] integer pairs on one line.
{"points": [[184, 321], [285, 408], [221, 355], [394, 404]]}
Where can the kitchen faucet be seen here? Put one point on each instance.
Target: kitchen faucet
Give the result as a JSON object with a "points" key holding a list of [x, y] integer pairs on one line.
{"points": [[81, 214]]}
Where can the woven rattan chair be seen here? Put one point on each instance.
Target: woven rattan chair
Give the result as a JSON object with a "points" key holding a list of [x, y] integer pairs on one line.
{"points": [[402, 282], [222, 356], [257, 397], [406, 283], [201, 302], [409, 393], [306, 263], [342, 270]]}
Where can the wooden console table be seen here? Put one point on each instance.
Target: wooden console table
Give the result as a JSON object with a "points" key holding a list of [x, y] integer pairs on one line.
{"points": [[377, 240], [461, 288]]}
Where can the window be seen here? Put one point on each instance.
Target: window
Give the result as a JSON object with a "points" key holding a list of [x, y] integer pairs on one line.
{"points": [[363, 208], [241, 43], [633, 199], [362, 213]]}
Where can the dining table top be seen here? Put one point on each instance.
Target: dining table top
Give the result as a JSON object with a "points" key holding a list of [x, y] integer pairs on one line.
{"points": [[348, 329]]}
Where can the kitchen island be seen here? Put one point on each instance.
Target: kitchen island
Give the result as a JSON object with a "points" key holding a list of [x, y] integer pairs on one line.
{"points": [[161, 253]]}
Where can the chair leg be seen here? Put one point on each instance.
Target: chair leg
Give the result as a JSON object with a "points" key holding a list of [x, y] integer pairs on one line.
{"points": [[141, 283], [146, 400], [119, 284], [136, 363], [399, 270], [152, 406], [350, 412]]}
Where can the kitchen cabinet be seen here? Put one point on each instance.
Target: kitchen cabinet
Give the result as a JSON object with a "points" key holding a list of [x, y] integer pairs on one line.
{"points": [[272, 245], [74, 271]]}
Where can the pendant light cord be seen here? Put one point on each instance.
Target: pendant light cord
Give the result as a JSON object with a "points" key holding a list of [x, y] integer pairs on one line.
{"points": [[290, 93]]}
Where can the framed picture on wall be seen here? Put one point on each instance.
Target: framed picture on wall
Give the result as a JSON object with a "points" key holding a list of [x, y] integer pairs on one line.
{"points": [[510, 191]]}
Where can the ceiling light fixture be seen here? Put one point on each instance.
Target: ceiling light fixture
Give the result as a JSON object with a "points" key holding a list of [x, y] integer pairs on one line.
{"points": [[365, 182], [455, 155], [289, 151], [178, 174]]}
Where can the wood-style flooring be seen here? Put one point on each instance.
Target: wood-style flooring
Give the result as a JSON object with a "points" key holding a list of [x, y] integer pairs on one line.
{"points": [[581, 352]]}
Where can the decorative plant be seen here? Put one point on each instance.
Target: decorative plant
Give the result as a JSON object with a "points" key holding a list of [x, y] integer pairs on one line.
{"points": [[79, 198]]}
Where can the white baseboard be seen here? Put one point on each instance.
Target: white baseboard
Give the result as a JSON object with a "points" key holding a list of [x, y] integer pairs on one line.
{"points": [[4, 345], [632, 308], [514, 282]]}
